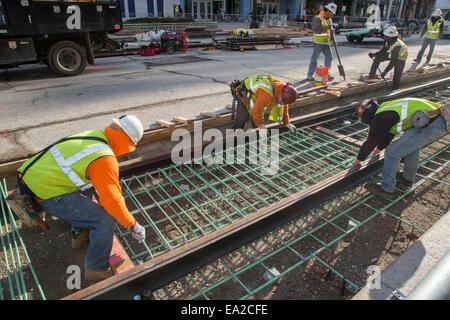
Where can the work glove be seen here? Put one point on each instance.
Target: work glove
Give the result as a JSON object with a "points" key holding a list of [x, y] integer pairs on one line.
{"points": [[291, 127], [234, 85], [138, 232]]}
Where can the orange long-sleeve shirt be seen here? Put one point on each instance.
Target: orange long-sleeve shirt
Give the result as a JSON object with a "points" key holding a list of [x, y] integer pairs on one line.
{"points": [[104, 175], [263, 99]]}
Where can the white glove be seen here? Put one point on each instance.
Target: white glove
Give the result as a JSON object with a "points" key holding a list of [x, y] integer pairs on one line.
{"points": [[291, 127], [138, 232]]}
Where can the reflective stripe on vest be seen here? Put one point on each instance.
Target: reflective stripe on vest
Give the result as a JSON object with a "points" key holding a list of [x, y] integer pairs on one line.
{"points": [[433, 30], [403, 55], [65, 164], [61, 168], [405, 108], [323, 38], [264, 83]]}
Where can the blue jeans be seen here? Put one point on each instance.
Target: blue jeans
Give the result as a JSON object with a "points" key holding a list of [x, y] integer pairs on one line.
{"points": [[81, 212], [408, 146], [317, 49], [426, 42]]}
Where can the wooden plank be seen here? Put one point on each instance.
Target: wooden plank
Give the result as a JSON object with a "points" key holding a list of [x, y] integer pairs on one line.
{"points": [[339, 136], [164, 123], [182, 120], [209, 114], [119, 259]]}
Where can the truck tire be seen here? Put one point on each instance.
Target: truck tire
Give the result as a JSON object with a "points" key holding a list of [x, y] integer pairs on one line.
{"points": [[350, 38], [67, 58]]}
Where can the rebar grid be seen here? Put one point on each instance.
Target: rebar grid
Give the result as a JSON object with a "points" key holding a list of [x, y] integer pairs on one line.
{"points": [[21, 278], [184, 202], [312, 244]]}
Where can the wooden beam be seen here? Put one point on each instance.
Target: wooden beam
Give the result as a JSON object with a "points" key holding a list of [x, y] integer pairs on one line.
{"points": [[164, 123]]}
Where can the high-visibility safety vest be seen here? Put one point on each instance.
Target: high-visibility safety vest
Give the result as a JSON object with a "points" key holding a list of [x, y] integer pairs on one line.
{"points": [[265, 83], [405, 108], [403, 55], [61, 167], [240, 31], [433, 30], [323, 38]]}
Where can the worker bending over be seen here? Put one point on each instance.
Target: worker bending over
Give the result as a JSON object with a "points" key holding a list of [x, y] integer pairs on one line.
{"points": [[422, 121], [395, 51], [240, 32], [321, 27], [60, 177], [260, 94], [433, 30]]}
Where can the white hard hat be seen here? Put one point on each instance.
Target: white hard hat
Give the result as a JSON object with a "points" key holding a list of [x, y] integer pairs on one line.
{"points": [[332, 7], [391, 32], [250, 32], [436, 13], [132, 127]]}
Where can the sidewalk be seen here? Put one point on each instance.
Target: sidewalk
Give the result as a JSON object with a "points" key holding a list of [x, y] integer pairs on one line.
{"points": [[412, 266]]}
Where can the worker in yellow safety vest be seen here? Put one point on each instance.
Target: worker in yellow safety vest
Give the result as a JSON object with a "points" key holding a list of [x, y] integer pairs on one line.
{"points": [[259, 95], [240, 32], [395, 51], [433, 31], [421, 122], [61, 180], [321, 27]]}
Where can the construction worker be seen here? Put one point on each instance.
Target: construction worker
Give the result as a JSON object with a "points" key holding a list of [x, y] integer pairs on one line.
{"points": [[60, 179], [422, 121], [240, 32], [262, 94], [433, 31], [322, 26], [395, 51]]}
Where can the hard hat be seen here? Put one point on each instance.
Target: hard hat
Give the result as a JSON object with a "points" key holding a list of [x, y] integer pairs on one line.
{"points": [[420, 119], [391, 32], [332, 7], [436, 13], [132, 126], [289, 94], [250, 32]]}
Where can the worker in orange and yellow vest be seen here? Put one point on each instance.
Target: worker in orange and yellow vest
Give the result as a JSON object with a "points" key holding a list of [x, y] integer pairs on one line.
{"points": [[259, 95], [60, 178], [321, 27]]}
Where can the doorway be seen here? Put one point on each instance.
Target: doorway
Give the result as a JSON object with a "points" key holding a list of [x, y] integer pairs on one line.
{"points": [[202, 9]]}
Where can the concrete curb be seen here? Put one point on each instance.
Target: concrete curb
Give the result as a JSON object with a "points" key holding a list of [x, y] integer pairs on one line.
{"points": [[407, 271]]}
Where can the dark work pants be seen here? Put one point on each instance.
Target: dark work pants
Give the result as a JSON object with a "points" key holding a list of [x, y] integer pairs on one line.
{"points": [[398, 69], [427, 42], [242, 116]]}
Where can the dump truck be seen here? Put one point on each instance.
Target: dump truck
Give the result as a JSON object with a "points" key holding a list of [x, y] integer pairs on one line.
{"points": [[63, 34]]}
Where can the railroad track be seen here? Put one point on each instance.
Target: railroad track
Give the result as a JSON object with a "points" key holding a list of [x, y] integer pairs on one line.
{"points": [[196, 214]]}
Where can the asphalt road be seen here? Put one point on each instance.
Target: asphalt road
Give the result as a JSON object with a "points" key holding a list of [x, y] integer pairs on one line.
{"points": [[37, 107]]}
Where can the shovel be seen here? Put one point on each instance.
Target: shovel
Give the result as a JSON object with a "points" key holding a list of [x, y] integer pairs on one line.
{"points": [[340, 66]]}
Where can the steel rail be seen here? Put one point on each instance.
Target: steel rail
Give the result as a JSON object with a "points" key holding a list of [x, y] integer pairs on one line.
{"points": [[166, 268]]}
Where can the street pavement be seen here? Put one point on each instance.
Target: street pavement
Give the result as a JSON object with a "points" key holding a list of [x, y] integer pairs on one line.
{"points": [[37, 107]]}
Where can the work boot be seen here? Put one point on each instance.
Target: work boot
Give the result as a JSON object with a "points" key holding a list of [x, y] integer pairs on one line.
{"points": [[93, 275], [80, 239], [403, 181], [376, 188]]}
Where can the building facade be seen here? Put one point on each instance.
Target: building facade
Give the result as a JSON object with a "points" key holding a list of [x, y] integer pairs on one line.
{"points": [[216, 9]]}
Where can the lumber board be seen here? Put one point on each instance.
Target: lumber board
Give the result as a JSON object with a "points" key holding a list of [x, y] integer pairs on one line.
{"points": [[182, 120], [164, 123]]}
